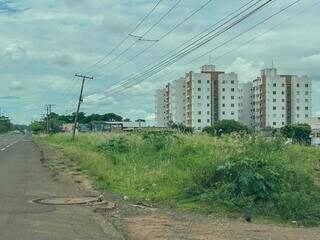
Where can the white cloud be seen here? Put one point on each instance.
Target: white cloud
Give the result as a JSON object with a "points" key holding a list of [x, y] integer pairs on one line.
{"points": [[16, 85], [313, 59], [246, 70]]}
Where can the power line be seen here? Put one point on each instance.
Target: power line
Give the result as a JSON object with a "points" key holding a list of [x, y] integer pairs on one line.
{"points": [[125, 38], [139, 38], [190, 48], [201, 35], [198, 43], [163, 36]]}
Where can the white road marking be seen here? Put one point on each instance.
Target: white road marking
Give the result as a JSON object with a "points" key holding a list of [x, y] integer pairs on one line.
{"points": [[10, 145]]}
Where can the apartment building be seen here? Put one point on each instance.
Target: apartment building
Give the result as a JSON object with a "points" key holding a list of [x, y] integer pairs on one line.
{"points": [[228, 95], [246, 109], [279, 100], [177, 101], [160, 108], [201, 98]]}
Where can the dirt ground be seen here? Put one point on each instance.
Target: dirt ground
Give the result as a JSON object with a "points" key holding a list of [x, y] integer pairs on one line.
{"points": [[137, 221]]}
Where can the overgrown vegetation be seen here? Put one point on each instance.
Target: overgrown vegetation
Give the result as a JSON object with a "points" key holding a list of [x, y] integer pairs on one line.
{"points": [[229, 173]]}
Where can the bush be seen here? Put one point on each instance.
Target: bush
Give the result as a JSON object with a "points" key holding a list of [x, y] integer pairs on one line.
{"points": [[262, 178], [226, 127], [299, 133]]}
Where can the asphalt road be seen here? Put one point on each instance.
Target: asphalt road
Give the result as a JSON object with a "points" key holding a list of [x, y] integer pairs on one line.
{"points": [[22, 179]]}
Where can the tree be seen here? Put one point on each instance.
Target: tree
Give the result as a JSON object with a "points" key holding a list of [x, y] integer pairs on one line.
{"points": [[111, 117], [226, 127], [5, 125], [181, 128], [299, 133], [38, 127]]}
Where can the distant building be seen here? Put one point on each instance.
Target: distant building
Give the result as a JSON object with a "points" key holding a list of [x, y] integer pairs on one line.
{"points": [[116, 126], [279, 100], [160, 108], [201, 99]]}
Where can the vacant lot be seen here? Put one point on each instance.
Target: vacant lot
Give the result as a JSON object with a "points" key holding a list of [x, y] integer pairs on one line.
{"points": [[229, 176]]}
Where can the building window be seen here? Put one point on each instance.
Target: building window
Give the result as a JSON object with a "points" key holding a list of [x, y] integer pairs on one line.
{"points": [[282, 92], [223, 113], [208, 97], [199, 89], [223, 104], [208, 113], [307, 85], [307, 93], [199, 81], [298, 115], [306, 100], [306, 115], [282, 123], [199, 97], [232, 113], [232, 89], [274, 100], [199, 112], [232, 105], [274, 108], [208, 81], [298, 93], [282, 108], [224, 81], [274, 84], [199, 120], [282, 85], [232, 97], [223, 97], [306, 108], [208, 105], [298, 85], [274, 92], [208, 120], [232, 81], [274, 123], [223, 89], [282, 100], [298, 108]]}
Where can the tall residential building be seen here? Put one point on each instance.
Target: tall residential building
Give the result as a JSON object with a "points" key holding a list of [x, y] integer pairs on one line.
{"points": [[280, 99], [160, 108], [177, 103], [246, 109], [200, 99]]}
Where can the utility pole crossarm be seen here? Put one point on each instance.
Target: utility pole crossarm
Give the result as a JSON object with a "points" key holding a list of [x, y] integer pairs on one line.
{"points": [[84, 77]]}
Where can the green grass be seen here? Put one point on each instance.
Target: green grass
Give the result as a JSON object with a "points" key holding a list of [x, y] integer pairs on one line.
{"points": [[198, 172]]}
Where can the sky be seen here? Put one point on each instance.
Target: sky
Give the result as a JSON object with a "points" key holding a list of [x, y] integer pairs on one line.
{"points": [[43, 43]]}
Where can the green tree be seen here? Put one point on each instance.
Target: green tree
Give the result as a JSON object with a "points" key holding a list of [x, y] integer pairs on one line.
{"points": [[226, 127], [299, 133], [5, 125], [181, 128], [38, 127]]}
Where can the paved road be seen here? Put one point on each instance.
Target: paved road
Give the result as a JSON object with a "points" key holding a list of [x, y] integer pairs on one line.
{"points": [[23, 178]]}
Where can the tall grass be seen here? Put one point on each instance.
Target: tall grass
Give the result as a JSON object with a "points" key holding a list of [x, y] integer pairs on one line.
{"points": [[229, 173]]}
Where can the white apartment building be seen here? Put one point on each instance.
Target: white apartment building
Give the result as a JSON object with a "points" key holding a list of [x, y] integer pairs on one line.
{"points": [[177, 103], [279, 100], [160, 107], [198, 100], [228, 96], [301, 99], [246, 110]]}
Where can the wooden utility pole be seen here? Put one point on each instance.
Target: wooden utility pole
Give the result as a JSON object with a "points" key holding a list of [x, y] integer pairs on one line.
{"points": [[79, 103]]}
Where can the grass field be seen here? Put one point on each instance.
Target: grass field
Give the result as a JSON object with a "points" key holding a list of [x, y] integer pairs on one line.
{"points": [[211, 175]]}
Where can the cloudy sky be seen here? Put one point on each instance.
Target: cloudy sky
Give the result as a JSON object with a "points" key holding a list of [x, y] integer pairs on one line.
{"points": [[43, 43]]}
